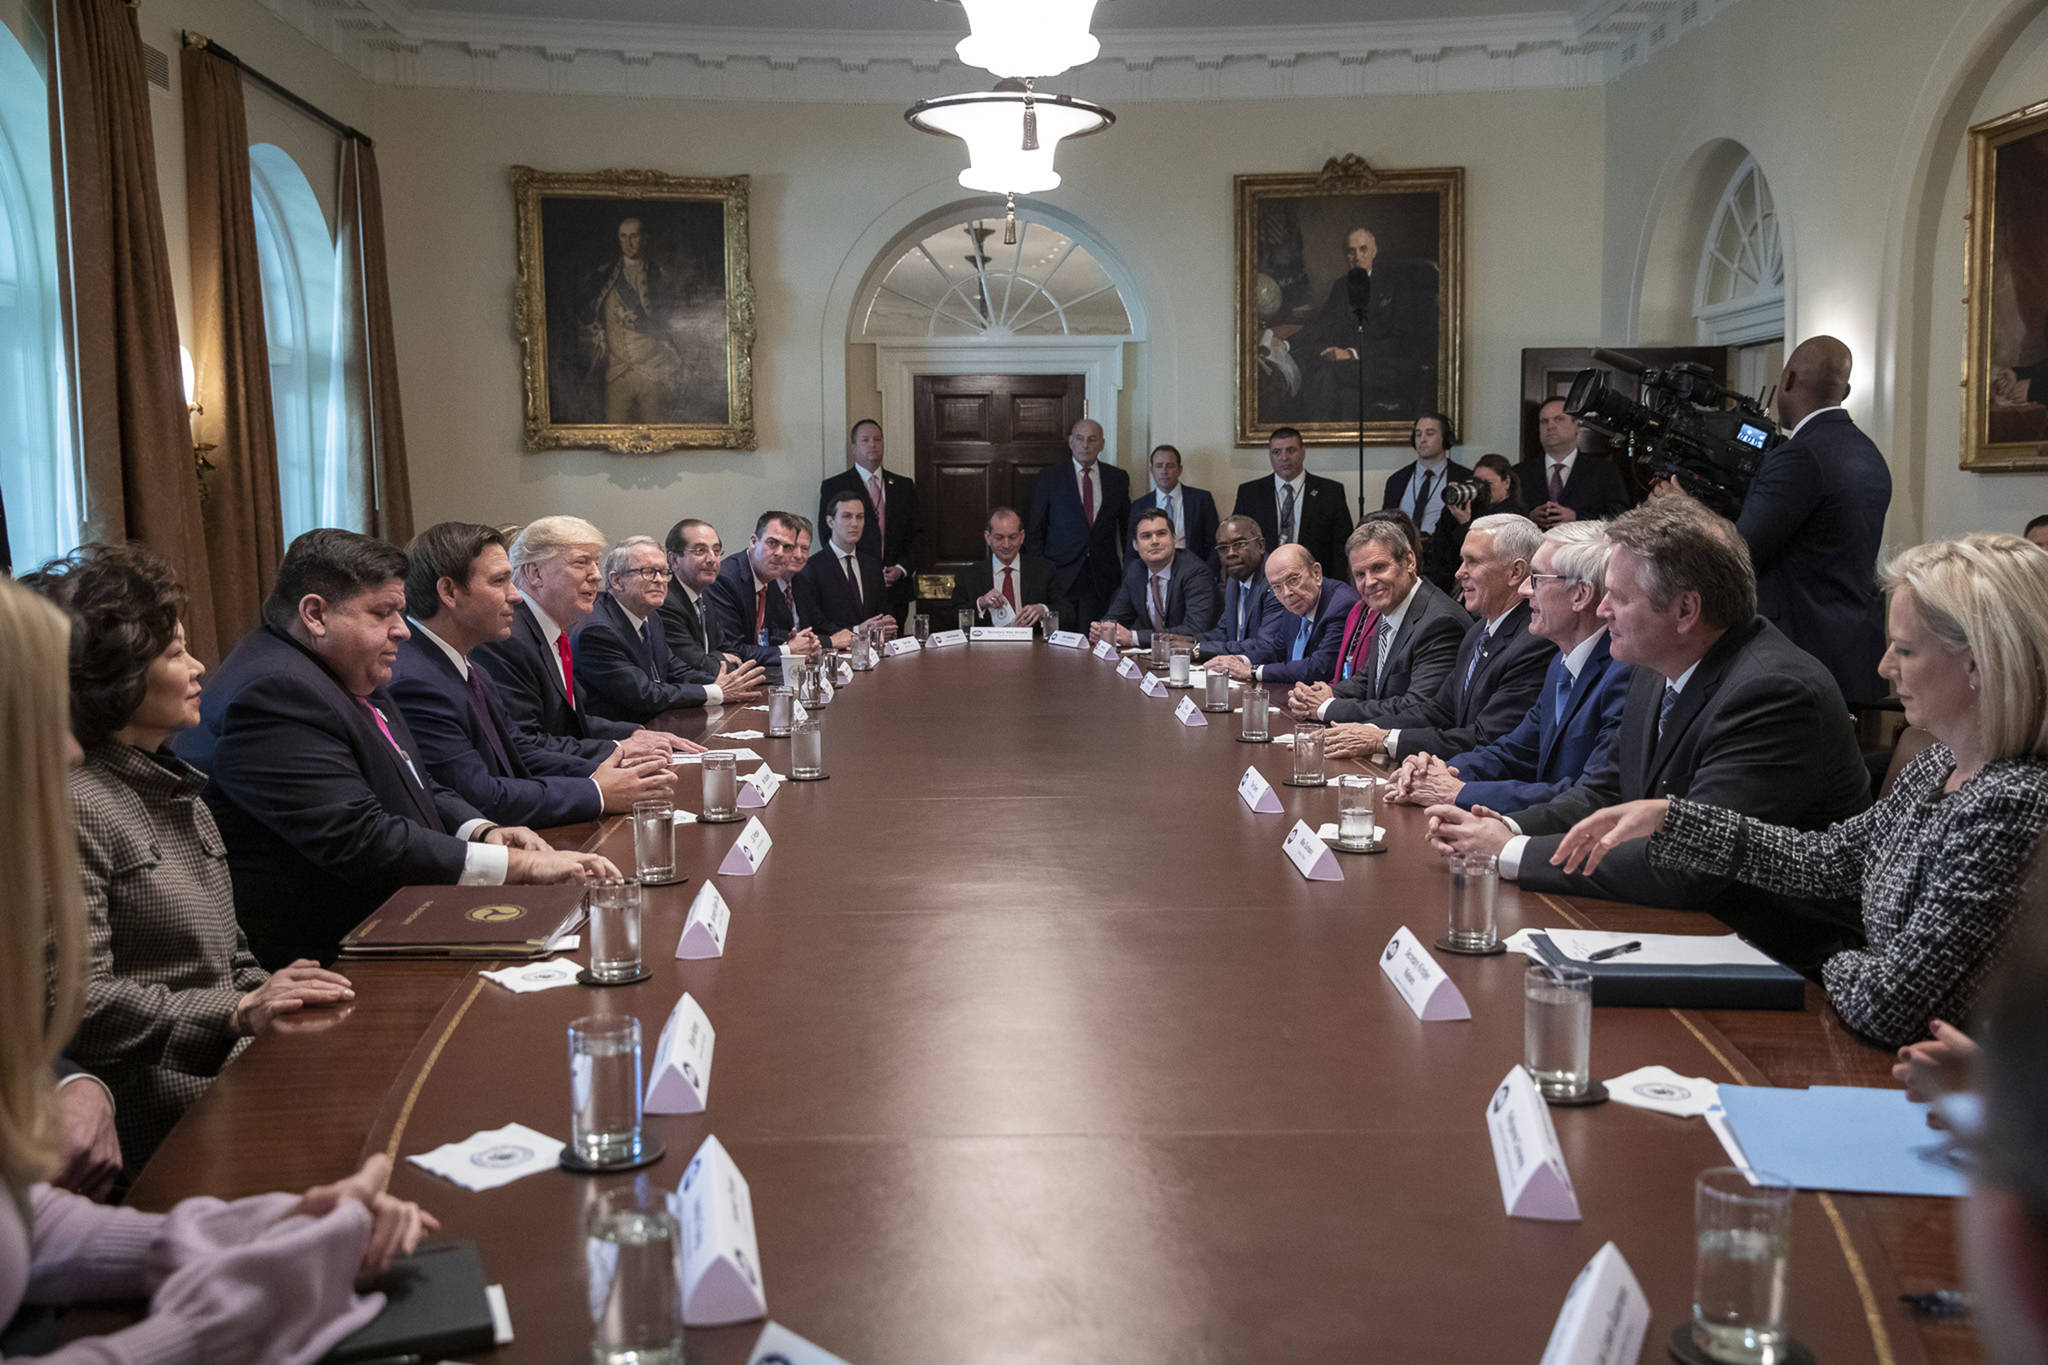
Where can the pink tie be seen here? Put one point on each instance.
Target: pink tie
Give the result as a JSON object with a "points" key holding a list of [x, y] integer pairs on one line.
{"points": [[881, 502], [389, 738], [568, 668]]}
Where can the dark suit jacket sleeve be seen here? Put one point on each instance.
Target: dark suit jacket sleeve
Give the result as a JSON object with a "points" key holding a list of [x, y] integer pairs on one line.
{"points": [[606, 666], [1200, 602], [1120, 609], [1039, 523], [1782, 496], [1397, 484], [456, 763], [1516, 683], [1202, 524]]}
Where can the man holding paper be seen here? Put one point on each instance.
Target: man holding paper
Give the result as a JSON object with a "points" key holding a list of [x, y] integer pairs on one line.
{"points": [[1164, 589], [1303, 645], [1009, 588]]}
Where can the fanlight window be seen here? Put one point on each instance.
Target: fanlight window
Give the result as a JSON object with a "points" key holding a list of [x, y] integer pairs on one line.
{"points": [[962, 281], [1740, 296]]}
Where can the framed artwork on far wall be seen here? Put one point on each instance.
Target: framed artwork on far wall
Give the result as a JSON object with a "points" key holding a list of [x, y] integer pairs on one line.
{"points": [[1302, 359], [2005, 365], [635, 311]]}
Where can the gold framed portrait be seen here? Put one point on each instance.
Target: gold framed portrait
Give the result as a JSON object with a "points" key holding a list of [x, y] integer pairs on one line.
{"points": [[635, 310], [2005, 277], [1315, 345]]}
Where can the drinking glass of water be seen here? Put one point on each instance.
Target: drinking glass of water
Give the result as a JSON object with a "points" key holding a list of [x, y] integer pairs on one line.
{"points": [[1358, 800], [1557, 1029], [636, 1293], [654, 840], [604, 1090], [1475, 883], [615, 929], [1742, 1238]]}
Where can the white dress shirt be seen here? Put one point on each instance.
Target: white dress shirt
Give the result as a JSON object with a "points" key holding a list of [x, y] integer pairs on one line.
{"points": [[550, 632], [1425, 516], [1564, 470], [1004, 614]]}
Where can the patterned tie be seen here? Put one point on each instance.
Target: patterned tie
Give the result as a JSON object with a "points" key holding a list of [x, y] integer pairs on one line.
{"points": [[1480, 653], [789, 600], [1088, 493], [1287, 536], [1379, 652], [1664, 711], [568, 666], [1557, 480], [1244, 592], [474, 682], [1300, 651], [1422, 497], [1564, 696], [1158, 602], [881, 502], [1009, 589]]}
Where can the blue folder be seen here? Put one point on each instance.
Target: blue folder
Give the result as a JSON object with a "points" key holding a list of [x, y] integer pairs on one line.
{"points": [[1838, 1137]]}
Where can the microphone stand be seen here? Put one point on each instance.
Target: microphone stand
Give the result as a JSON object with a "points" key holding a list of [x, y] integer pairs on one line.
{"points": [[1358, 313]]}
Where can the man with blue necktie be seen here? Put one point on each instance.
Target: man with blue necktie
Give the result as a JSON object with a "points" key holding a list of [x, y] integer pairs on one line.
{"points": [[621, 650], [1249, 608], [1302, 644], [1192, 509]]}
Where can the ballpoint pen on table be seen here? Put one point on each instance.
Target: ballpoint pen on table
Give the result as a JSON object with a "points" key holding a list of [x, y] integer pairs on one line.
{"points": [[1617, 950]]}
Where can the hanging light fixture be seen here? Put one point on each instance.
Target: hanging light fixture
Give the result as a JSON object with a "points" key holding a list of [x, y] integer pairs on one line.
{"points": [[1010, 133], [1027, 38]]}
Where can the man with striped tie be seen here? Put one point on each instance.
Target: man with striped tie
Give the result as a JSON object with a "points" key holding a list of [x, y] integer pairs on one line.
{"points": [[1412, 645], [1302, 645]]}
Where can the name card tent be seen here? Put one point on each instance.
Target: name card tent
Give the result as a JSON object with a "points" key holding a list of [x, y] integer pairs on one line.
{"points": [[1311, 857], [1421, 982], [748, 851], [704, 932], [721, 1258], [680, 1079], [1534, 1182], [1605, 1316]]}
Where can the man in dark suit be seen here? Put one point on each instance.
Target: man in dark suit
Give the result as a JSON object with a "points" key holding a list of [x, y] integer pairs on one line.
{"points": [[621, 652], [1398, 340], [1297, 508], [1575, 716], [1191, 509], [1009, 588], [841, 586], [1500, 665], [1299, 645], [1250, 611], [1723, 709], [1565, 485], [312, 777], [1164, 589], [555, 566], [1080, 522], [1413, 643], [458, 595], [686, 617], [751, 612], [1814, 520], [1418, 490], [889, 534]]}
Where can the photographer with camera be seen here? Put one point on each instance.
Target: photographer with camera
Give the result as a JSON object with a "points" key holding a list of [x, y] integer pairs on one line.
{"points": [[1427, 489]]}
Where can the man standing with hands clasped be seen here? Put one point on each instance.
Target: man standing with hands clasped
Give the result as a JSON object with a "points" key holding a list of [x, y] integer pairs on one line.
{"points": [[889, 533]]}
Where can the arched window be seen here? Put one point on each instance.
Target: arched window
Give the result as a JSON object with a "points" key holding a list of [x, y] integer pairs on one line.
{"points": [[38, 474], [961, 281], [1740, 294], [295, 253]]}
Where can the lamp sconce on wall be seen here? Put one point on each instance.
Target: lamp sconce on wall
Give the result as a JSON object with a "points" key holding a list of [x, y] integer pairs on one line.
{"points": [[194, 410]]}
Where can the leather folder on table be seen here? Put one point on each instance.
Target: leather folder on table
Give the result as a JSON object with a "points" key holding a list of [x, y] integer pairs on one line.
{"points": [[468, 921], [1755, 985], [435, 1305]]}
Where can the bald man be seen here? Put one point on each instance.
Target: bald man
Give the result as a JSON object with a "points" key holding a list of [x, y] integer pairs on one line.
{"points": [[1080, 522], [1814, 520]]}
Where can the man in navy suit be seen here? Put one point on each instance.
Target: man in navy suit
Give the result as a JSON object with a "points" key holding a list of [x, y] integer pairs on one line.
{"points": [[686, 617], [458, 595], [1500, 665], [889, 534], [1250, 611], [1417, 488], [1814, 520], [841, 586], [313, 779], [1413, 644], [1192, 510], [1009, 587], [1564, 485], [1080, 520], [1301, 643], [1294, 507], [1164, 590], [749, 601], [621, 649], [1575, 716]]}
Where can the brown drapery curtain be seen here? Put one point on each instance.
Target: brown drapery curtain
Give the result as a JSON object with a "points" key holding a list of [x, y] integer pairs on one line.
{"points": [[376, 427], [134, 433], [230, 351]]}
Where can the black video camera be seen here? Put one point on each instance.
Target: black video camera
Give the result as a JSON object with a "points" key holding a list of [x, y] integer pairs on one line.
{"points": [[1685, 427]]}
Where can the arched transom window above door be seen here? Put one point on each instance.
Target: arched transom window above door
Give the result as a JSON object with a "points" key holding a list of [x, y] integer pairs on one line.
{"points": [[962, 281], [1740, 294]]}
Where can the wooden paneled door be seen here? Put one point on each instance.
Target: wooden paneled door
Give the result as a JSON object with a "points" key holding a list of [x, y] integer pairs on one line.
{"points": [[981, 441]]}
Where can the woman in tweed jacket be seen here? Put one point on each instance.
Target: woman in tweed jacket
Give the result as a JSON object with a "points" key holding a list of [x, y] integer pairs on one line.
{"points": [[172, 991], [1939, 862]]}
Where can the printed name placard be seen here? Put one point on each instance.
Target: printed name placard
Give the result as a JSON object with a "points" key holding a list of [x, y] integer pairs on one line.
{"points": [[748, 850], [939, 639], [680, 1082], [1104, 650], [1422, 983], [1257, 793], [1068, 639], [1533, 1180], [995, 634], [845, 674], [1604, 1318], [1128, 668], [778, 1345], [758, 787], [1311, 856], [704, 932], [1187, 713], [797, 711], [902, 644], [1153, 686], [721, 1259]]}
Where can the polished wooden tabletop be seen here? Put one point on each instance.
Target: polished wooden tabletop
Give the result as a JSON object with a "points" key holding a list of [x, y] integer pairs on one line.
{"points": [[1034, 1046]]}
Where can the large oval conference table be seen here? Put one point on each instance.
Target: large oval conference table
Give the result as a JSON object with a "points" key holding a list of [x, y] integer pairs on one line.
{"points": [[1034, 1046]]}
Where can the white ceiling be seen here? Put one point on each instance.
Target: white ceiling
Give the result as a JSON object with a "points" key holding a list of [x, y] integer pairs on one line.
{"points": [[932, 16]]}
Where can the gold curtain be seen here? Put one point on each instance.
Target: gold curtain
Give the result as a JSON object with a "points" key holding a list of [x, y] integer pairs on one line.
{"points": [[230, 351], [135, 439], [376, 427]]}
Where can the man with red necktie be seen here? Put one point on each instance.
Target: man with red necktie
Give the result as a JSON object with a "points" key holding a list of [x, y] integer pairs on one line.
{"points": [[1008, 587], [889, 535]]}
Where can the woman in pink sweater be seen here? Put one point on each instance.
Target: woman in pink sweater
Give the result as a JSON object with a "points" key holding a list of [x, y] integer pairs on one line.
{"points": [[270, 1278]]}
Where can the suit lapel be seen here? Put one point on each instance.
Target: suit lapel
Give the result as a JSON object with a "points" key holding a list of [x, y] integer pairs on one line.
{"points": [[1699, 690], [411, 778]]}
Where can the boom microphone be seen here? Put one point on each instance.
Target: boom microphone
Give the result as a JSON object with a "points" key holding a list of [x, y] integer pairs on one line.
{"points": [[1359, 283]]}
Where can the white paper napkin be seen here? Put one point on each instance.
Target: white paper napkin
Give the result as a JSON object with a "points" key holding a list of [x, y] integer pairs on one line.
{"points": [[493, 1158], [1328, 833], [1523, 941], [1664, 1090], [739, 734], [739, 753], [686, 817], [537, 976]]}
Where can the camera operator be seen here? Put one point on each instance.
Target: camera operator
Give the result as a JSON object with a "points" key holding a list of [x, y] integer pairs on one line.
{"points": [[1814, 521], [1423, 491]]}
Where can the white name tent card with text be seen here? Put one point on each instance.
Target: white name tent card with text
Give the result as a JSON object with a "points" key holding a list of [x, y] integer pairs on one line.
{"points": [[1533, 1180], [748, 850], [704, 932], [939, 639], [1604, 1318], [991, 634], [1153, 686], [1187, 713], [1422, 983], [902, 644], [758, 787], [681, 1068], [1128, 668], [1258, 793], [778, 1345], [721, 1260], [1068, 639], [1104, 650], [1311, 856]]}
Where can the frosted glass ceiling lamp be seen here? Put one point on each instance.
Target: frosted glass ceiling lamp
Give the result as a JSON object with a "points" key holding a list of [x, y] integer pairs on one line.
{"points": [[1027, 38], [1010, 133]]}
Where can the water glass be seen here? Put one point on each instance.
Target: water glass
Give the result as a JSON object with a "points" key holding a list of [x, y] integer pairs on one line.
{"points": [[604, 1089], [1251, 726], [1216, 690], [721, 786], [807, 750], [1742, 1239], [654, 839], [1358, 806], [1308, 754], [863, 649], [615, 928], [1177, 665], [1475, 882], [921, 627], [795, 668], [1557, 1029], [1051, 623], [966, 619], [1159, 649], [633, 1249]]}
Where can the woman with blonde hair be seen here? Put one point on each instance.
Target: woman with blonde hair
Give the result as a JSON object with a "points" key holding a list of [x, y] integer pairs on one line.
{"points": [[268, 1278], [1938, 863]]}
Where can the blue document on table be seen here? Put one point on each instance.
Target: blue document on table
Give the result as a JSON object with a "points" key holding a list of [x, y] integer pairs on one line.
{"points": [[1838, 1137]]}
